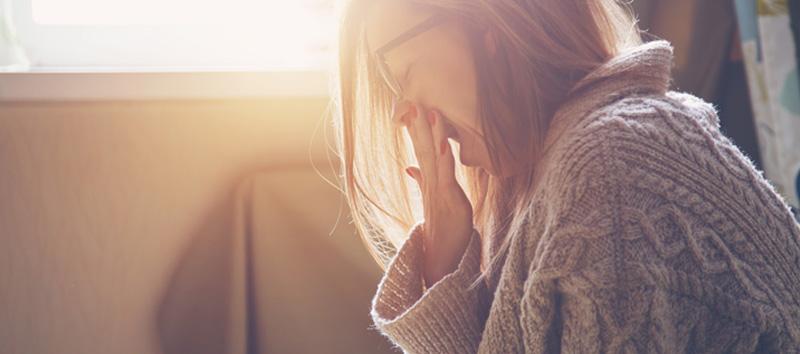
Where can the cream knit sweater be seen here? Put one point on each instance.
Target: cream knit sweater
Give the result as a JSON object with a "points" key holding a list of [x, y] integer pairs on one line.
{"points": [[651, 233]]}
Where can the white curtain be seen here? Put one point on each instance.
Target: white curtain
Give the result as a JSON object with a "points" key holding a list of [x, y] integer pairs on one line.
{"points": [[771, 62], [12, 55]]}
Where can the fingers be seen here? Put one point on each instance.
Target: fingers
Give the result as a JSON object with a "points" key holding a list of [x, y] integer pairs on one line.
{"points": [[422, 136], [428, 131], [424, 131], [445, 160]]}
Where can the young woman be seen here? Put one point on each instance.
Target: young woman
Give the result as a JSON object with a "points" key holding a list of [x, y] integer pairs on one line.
{"points": [[591, 209]]}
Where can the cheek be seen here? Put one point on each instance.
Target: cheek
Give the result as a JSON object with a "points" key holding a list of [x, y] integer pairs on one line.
{"points": [[448, 84], [456, 95], [462, 122]]}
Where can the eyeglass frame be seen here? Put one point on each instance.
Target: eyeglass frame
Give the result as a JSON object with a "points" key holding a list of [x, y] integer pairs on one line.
{"points": [[383, 67]]}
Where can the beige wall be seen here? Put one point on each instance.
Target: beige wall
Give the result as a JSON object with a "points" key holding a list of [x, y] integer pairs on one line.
{"points": [[112, 212]]}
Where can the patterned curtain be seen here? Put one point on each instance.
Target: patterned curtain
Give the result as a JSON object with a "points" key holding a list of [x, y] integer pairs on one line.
{"points": [[770, 52]]}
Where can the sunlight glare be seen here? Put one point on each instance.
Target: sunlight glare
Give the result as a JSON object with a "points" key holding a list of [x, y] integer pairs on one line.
{"points": [[292, 31]]}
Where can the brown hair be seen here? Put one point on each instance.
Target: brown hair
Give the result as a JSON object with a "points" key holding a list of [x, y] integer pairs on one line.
{"points": [[543, 48]]}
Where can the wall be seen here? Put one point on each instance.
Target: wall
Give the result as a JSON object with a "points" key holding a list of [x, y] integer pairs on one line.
{"points": [[108, 207]]}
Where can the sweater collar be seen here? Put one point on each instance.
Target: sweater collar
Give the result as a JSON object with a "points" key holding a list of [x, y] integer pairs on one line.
{"points": [[644, 69]]}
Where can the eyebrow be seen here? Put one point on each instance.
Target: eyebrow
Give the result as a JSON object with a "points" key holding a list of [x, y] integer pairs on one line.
{"points": [[421, 27]]}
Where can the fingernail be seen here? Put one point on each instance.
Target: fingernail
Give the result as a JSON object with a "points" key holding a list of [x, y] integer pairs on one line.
{"points": [[444, 146], [432, 117]]}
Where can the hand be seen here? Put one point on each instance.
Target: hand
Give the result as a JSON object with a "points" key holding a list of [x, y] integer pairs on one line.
{"points": [[448, 213]]}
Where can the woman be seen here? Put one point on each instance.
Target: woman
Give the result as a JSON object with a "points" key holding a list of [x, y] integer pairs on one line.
{"points": [[591, 210]]}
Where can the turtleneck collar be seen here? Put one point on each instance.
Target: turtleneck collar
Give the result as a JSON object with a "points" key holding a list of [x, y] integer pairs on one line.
{"points": [[643, 69], [646, 67]]}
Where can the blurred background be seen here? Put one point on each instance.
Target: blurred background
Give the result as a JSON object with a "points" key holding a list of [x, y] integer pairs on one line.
{"points": [[163, 167]]}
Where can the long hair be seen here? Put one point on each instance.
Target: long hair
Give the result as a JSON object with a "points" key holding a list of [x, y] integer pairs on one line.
{"points": [[543, 47]]}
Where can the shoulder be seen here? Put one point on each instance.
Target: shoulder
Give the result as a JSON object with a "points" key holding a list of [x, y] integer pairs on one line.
{"points": [[636, 156], [637, 132], [637, 118], [641, 160], [641, 131], [650, 146]]}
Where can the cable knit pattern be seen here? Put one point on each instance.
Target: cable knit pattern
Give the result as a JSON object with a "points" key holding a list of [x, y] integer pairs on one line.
{"points": [[650, 232]]}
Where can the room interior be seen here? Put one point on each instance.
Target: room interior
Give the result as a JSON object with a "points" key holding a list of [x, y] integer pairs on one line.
{"points": [[210, 225]]}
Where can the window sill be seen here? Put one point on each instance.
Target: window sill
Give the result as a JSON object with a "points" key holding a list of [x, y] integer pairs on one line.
{"points": [[97, 83]]}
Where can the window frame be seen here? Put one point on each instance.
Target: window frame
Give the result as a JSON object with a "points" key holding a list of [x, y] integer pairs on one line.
{"points": [[76, 78]]}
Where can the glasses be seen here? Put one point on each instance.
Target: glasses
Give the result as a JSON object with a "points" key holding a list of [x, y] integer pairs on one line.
{"points": [[383, 68]]}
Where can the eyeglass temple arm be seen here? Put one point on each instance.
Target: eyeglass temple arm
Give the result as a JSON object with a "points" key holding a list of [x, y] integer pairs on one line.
{"points": [[422, 27]]}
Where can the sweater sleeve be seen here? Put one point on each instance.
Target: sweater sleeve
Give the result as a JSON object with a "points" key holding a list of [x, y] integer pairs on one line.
{"points": [[593, 312], [442, 319], [603, 282], [628, 310]]}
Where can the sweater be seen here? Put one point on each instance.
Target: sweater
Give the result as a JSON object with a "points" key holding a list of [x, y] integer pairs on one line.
{"points": [[649, 232]]}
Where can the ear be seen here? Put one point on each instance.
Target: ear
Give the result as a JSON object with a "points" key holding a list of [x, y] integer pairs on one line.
{"points": [[490, 42]]}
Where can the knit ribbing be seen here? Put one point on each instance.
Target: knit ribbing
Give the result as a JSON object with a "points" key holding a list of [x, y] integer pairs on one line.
{"points": [[653, 233], [446, 307]]}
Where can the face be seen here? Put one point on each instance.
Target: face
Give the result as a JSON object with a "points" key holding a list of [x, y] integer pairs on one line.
{"points": [[436, 70]]}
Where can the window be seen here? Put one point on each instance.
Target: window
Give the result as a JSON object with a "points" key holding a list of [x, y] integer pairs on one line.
{"points": [[177, 34]]}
